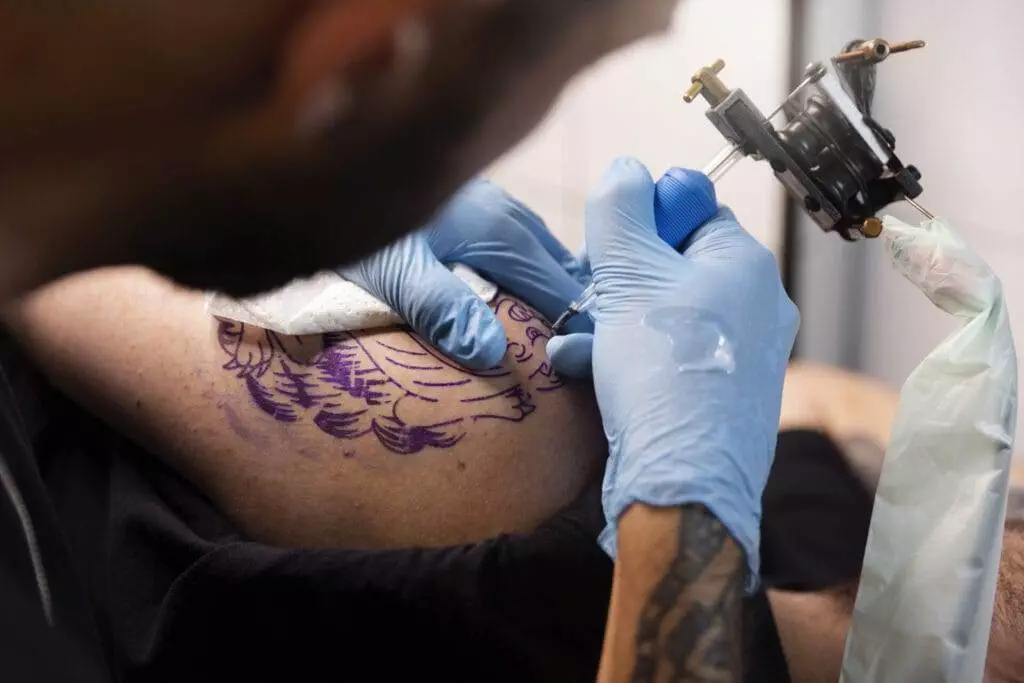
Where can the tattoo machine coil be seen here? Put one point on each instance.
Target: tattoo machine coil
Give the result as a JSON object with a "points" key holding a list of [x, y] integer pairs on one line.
{"points": [[832, 156]]}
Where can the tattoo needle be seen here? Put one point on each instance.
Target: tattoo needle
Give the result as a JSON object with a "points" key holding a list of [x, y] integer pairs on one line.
{"points": [[923, 211]]}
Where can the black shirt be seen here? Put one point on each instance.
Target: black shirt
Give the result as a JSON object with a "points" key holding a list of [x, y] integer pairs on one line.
{"points": [[47, 627], [181, 595]]}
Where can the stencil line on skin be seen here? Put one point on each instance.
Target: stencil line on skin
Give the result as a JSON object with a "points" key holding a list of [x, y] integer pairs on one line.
{"points": [[344, 388]]}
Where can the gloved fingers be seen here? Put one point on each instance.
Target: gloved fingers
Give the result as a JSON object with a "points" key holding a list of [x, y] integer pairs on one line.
{"points": [[436, 304], [483, 201], [486, 229], [723, 229], [582, 271], [620, 213], [538, 228], [723, 241], [572, 355], [535, 277]]}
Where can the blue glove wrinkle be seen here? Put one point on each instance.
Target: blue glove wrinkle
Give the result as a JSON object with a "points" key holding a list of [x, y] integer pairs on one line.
{"points": [[436, 304], [484, 228], [507, 243], [571, 354]]}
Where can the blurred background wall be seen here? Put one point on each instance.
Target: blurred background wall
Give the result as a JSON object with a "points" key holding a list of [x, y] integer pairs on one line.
{"points": [[632, 103]]}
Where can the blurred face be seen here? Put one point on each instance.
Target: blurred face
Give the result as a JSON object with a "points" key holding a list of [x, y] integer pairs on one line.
{"points": [[237, 149]]}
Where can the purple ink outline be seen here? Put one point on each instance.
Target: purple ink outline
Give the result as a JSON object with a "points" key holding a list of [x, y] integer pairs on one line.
{"points": [[347, 365]]}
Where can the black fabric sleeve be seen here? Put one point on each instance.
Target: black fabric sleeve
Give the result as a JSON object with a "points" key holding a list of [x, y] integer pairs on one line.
{"points": [[32, 651], [816, 516], [47, 626], [515, 609], [186, 598]]}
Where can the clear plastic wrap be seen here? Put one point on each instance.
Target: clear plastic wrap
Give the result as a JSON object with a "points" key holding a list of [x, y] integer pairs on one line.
{"points": [[924, 607]]}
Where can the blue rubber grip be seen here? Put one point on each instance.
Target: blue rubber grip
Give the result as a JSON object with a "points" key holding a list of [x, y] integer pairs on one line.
{"points": [[683, 201]]}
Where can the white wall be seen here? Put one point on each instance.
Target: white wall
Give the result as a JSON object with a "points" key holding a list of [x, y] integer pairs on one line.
{"points": [[631, 104], [956, 111], [829, 272]]}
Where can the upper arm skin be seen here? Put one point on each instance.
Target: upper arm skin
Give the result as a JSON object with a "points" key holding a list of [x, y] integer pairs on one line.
{"points": [[353, 440]]}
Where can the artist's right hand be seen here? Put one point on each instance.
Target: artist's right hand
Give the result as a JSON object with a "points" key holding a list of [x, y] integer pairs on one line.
{"points": [[490, 231], [689, 355]]}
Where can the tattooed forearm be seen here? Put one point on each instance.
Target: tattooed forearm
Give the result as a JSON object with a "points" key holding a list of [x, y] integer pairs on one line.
{"points": [[687, 577], [351, 387]]}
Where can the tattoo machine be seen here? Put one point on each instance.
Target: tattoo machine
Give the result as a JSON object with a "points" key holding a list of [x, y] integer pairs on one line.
{"points": [[832, 156]]}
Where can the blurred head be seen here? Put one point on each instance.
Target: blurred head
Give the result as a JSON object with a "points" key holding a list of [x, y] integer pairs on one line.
{"points": [[237, 149]]}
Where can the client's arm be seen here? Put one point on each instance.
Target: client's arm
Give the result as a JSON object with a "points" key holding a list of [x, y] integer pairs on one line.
{"points": [[368, 439]]}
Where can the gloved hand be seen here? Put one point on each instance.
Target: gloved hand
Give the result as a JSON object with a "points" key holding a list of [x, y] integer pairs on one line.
{"points": [[486, 229], [689, 356]]}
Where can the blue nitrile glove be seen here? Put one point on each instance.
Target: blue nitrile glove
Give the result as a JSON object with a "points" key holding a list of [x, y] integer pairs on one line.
{"points": [[486, 229], [689, 356]]}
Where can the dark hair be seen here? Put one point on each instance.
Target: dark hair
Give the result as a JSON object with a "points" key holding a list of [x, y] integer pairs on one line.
{"points": [[376, 176]]}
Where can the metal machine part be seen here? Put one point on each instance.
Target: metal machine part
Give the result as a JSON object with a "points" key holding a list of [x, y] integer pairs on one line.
{"points": [[830, 153]]}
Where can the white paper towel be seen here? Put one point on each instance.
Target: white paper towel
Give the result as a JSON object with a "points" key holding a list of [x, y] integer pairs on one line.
{"points": [[326, 302]]}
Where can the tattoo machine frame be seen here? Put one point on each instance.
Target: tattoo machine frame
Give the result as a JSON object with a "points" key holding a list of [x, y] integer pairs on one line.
{"points": [[831, 155]]}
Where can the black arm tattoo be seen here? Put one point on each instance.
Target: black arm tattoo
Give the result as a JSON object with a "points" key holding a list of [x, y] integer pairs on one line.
{"points": [[689, 629]]}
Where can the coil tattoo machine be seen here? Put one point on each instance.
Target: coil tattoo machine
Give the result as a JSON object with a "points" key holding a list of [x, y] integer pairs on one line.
{"points": [[833, 157]]}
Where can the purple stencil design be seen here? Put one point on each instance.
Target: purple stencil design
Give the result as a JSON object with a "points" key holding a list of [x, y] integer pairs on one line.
{"points": [[340, 425], [404, 439], [407, 352], [349, 389], [535, 333], [517, 310], [503, 393], [522, 401], [554, 381], [339, 365], [520, 352], [245, 359], [264, 400], [428, 368], [493, 373], [439, 385], [298, 387]]}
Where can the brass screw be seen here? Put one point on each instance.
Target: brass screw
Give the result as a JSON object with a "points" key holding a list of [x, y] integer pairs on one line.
{"points": [[697, 82], [878, 50], [907, 46], [871, 228]]}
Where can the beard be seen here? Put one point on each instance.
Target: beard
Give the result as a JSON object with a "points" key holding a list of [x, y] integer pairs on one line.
{"points": [[255, 204]]}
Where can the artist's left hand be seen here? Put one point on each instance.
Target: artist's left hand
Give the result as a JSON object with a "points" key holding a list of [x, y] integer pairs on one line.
{"points": [[488, 230]]}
